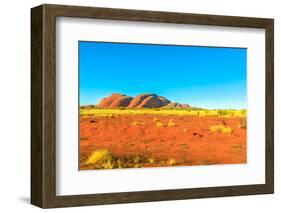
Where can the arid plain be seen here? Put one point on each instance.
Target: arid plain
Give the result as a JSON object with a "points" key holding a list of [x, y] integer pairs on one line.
{"points": [[151, 131]]}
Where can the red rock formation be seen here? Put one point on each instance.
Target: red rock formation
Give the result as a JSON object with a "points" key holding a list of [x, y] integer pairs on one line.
{"points": [[140, 101], [185, 105], [123, 101], [106, 102], [164, 101], [175, 105], [150, 102]]}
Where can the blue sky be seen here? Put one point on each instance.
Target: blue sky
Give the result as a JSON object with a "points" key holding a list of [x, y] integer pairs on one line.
{"points": [[207, 77]]}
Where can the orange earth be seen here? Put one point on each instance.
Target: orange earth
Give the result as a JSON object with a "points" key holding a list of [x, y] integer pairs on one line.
{"points": [[188, 143]]}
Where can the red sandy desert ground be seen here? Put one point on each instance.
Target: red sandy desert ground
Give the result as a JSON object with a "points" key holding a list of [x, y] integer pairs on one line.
{"points": [[190, 142]]}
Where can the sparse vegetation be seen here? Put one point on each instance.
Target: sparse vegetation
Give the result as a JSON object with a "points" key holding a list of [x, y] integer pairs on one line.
{"points": [[159, 124], [99, 112], [156, 119], [104, 159], [136, 123], [221, 128], [151, 160], [172, 162], [171, 124], [142, 137], [136, 159], [101, 156]]}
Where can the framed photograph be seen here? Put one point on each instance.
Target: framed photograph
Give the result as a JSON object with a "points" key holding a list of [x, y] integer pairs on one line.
{"points": [[136, 106]]}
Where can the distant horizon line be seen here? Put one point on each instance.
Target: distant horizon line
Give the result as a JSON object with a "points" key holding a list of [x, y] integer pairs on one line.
{"points": [[193, 107]]}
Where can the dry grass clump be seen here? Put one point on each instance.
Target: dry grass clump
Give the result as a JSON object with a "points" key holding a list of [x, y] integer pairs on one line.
{"points": [[221, 128], [151, 160], [101, 157], [159, 124], [96, 112], [137, 159], [156, 119], [137, 123], [172, 162], [171, 124], [104, 159]]}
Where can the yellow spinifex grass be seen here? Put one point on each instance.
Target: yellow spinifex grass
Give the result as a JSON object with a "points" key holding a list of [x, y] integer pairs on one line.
{"points": [[159, 124], [102, 156], [136, 123], [171, 124], [172, 162], [151, 160], [156, 119], [110, 113], [221, 128]]}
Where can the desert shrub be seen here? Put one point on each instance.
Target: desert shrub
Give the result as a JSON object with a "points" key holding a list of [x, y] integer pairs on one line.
{"points": [[221, 128], [137, 159], [223, 113], [171, 124], [156, 120], [108, 165], [215, 128], [101, 156], [227, 130], [159, 124], [137, 166], [99, 112], [172, 162], [103, 159], [137, 123], [240, 113], [119, 163], [202, 113], [151, 160]]}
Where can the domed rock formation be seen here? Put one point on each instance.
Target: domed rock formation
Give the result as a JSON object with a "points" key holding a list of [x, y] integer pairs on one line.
{"points": [[164, 100], [153, 101], [148, 101], [140, 101], [106, 102], [185, 105], [122, 101], [175, 105]]}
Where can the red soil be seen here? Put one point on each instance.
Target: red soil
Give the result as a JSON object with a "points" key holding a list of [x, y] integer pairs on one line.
{"points": [[190, 143]]}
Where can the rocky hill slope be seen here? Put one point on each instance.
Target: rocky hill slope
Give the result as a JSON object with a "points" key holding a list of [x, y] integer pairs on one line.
{"points": [[117, 100]]}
